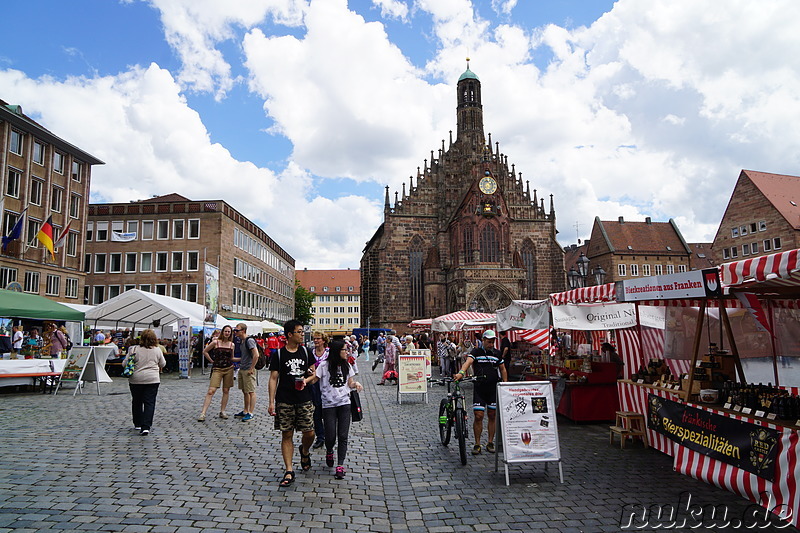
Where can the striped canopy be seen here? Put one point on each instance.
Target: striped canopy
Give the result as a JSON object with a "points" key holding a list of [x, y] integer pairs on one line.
{"points": [[767, 271]]}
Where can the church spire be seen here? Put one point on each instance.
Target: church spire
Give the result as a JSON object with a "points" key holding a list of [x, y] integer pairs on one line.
{"points": [[469, 110]]}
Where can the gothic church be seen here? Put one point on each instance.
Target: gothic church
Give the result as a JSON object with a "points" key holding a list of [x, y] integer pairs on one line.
{"points": [[467, 236]]}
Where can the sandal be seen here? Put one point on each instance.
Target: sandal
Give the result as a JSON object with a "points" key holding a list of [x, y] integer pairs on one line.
{"points": [[305, 461], [288, 479]]}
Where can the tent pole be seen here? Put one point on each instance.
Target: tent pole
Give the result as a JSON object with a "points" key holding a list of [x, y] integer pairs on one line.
{"points": [[641, 344], [772, 340], [698, 336], [734, 350]]}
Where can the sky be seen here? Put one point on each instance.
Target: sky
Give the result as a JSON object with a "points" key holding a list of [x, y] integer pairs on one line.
{"points": [[299, 112]]}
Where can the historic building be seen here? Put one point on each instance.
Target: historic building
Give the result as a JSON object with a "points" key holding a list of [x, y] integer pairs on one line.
{"points": [[762, 217], [337, 295], [162, 245], [42, 178], [467, 235]]}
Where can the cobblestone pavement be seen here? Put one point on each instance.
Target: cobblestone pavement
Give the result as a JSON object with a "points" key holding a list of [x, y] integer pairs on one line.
{"points": [[76, 463]]}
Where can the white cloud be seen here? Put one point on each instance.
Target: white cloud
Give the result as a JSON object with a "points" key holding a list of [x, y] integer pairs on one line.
{"points": [[392, 9]]}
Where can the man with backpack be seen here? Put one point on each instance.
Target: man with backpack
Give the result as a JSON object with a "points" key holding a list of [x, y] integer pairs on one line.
{"points": [[248, 362]]}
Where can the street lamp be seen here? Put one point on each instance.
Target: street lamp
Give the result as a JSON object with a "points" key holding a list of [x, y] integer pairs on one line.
{"points": [[578, 278], [575, 280], [583, 265], [599, 275]]}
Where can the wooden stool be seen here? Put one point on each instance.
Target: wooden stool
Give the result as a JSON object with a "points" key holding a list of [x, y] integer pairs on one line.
{"points": [[628, 424]]}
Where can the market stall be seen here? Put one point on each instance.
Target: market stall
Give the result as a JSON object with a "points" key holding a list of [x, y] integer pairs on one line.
{"points": [[725, 431]]}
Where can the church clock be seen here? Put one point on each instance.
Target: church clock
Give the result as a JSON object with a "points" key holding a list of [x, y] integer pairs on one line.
{"points": [[487, 185]]}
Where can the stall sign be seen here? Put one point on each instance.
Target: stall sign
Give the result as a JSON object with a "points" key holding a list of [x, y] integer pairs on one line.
{"points": [[528, 421], [597, 317], [692, 284], [748, 446], [524, 314], [411, 373]]}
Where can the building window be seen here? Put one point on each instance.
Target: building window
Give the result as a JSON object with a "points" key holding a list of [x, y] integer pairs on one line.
{"points": [[145, 287], [469, 245], [743, 230], [191, 292], [762, 225], [163, 230], [416, 279], [734, 251], [312, 288], [681, 268], [645, 270], [58, 162], [117, 226], [726, 254], [102, 231], [324, 289], [32, 282], [622, 270], [177, 229], [12, 184], [126, 288], [735, 232], [147, 230], [194, 228], [87, 263], [115, 263], [71, 287], [56, 199], [350, 288], [7, 275], [745, 249], [529, 262], [113, 291], [33, 229], [132, 226], [98, 293], [99, 263], [161, 261], [161, 289], [177, 261], [146, 264], [38, 153], [89, 231], [176, 291], [753, 227], [776, 243], [192, 261], [72, 245], [53, 285], [490, 247], [36, 191], [77, 169], [15, 142], [338, 289], [634, 270], [74, 206], [670, 269]]}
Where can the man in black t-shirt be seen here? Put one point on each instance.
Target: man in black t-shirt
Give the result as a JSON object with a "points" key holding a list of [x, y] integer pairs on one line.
{"points": [[292, 368], [489, 370]]}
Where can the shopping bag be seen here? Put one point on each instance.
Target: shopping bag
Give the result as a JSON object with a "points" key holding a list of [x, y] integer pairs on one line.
{"points": [[355, 407]]}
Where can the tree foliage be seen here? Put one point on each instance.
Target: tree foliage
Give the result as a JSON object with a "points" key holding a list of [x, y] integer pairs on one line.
{"points": [[303, 300]]}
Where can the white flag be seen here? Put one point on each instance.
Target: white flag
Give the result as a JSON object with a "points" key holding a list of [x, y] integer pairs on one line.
{"points": [[62, 237], [117, 236]]}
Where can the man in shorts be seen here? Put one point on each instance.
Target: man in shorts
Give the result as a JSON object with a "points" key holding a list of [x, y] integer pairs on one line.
{"points": [[292, 368], [489, 370], [247, 371]]}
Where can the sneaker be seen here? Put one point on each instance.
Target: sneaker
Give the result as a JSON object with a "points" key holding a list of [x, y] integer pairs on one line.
{"points": [[339, 472], [476, 449], [490, 447], [329, 459], [240, 414], [202, 417], [138, 428], [319, 444], [246, 418], [223, 415], [145, 432]]}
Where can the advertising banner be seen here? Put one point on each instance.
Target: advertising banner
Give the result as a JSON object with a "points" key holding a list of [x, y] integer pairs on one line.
{"points": [[742, 444], [598, 317], [212, 294], [528, 420], [184, 342], [411, 373], [692, 284], [524, 314], [426, 353], [73, 370]]}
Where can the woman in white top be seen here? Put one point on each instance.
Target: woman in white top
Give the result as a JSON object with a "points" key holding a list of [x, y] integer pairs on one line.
{"points": [[336, 378], [145, 379]]}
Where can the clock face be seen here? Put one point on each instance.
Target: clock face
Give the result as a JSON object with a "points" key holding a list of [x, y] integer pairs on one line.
{"points": [[487, 185]]}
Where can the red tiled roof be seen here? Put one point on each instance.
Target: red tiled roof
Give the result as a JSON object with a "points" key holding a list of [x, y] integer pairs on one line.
{"points": [[172, 197], [571, 255], [783, 191], [701, 249], [626, 237], [331, 279]]}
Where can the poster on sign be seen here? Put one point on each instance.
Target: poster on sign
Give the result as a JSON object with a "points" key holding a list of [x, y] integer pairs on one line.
{"points": [[426, 353], [411, 378], [529, 428], [184, 339]]}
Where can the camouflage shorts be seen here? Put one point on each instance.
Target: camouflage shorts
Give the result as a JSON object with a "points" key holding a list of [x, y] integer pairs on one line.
{"points": [[298, 417]]}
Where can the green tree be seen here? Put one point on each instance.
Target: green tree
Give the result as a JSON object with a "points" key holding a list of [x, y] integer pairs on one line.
{"points": [[303, 300]]}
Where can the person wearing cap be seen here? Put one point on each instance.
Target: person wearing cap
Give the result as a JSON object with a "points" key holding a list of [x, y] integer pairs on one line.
{"points": [[489, 370]]}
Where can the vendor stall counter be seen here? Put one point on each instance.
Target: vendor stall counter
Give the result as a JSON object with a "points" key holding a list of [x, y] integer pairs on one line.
{"points": [[592, 400]]}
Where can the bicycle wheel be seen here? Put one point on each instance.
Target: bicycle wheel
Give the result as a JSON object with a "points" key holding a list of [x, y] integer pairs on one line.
{"points": [[461, 434], [446, 426]]}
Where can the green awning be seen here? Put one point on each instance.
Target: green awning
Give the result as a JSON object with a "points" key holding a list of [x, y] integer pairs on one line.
{"points": [[21, 305]]}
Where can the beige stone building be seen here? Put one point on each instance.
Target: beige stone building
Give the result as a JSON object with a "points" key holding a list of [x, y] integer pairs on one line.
{"points": [[42, 176], [337, 300], [162, 244], [762, 217]]}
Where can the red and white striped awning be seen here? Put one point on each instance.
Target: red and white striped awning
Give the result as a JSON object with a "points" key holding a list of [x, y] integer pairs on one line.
{"points": [[454, 321], [598, 293], [775, 270]]}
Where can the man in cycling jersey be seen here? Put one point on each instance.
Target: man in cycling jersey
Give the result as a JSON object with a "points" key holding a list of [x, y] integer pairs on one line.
{"points": [[489, 370]]}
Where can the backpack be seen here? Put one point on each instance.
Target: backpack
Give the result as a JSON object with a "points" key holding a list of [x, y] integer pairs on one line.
{"points": [[262, 359]]}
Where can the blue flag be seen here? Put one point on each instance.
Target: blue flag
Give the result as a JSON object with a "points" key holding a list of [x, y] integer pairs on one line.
{"points": [[16, 231]]}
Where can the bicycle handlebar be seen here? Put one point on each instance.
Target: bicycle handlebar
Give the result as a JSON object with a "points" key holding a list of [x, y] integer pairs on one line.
{"points": [[447, 379]]}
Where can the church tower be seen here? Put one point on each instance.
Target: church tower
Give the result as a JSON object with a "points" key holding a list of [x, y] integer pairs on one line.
{"points": [[464, 233]]}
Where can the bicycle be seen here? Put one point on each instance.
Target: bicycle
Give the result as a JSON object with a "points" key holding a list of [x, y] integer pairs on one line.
{"points": [[453, 415]]}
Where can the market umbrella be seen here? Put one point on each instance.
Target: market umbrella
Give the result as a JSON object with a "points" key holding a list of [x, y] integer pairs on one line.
{"points": [[21, 305]]}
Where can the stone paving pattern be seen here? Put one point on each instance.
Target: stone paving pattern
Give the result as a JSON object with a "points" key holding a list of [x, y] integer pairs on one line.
{"points": [[76, 463]]}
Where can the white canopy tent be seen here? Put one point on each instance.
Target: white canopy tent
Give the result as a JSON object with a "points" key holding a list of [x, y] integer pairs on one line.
{"points": [[135, 308], [253, 326]]}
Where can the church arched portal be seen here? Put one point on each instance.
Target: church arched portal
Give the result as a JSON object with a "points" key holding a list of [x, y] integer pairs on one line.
{"points": [[490, 297]]}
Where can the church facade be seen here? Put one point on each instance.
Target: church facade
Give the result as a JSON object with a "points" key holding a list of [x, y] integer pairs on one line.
{"points": [[467, 235]]}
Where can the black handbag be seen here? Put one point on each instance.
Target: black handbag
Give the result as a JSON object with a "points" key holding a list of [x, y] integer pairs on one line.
{"points": [[355, 406]]}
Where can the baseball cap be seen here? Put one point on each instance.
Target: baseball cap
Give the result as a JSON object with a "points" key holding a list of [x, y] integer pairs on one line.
{"points": [[488, 334]]}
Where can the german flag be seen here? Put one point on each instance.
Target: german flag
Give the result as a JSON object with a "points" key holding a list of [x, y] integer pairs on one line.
{"points": [[45, 236]]}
